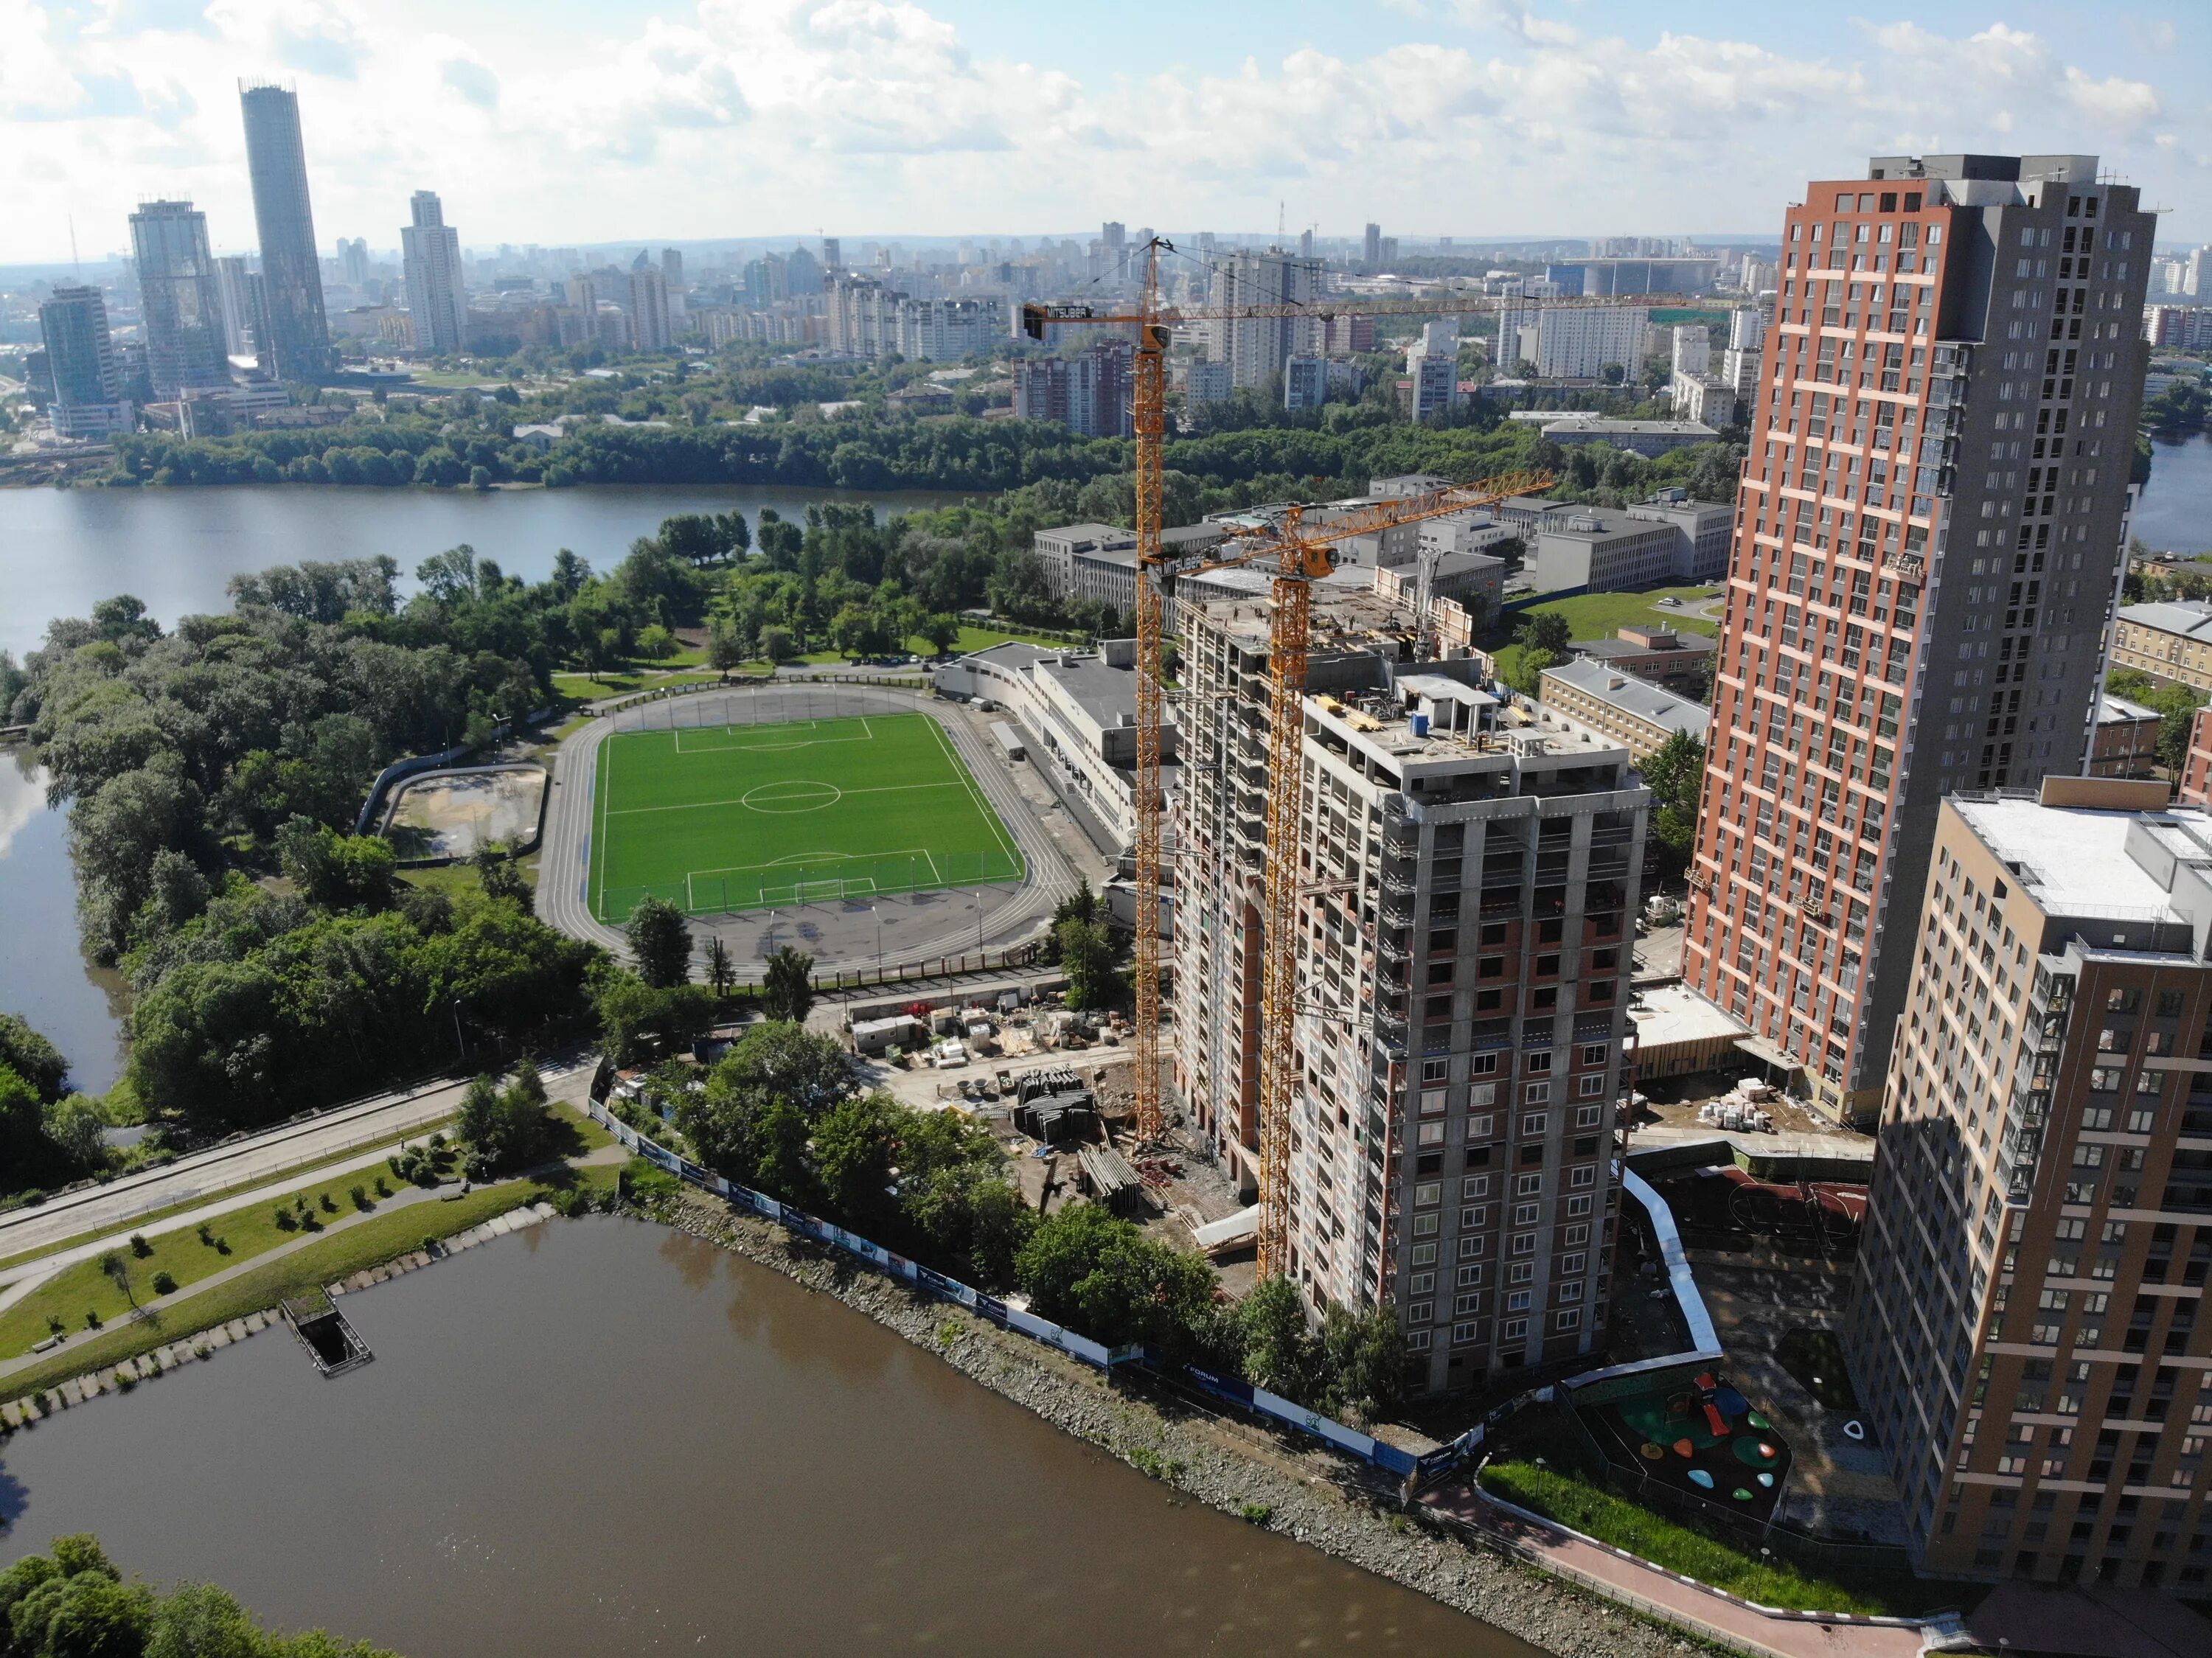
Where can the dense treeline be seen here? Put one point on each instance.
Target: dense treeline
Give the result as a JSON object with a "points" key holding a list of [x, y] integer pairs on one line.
{"points": [[71, 1602], [213, 774]]}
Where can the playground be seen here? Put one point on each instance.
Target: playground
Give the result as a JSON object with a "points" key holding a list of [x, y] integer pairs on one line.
{"points": [[723, 819], [1700, 1437]]}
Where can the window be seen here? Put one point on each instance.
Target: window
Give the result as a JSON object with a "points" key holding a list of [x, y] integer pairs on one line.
{"points": [[1436, 1071], [1516, 1300], [1524, 1243], [1469, 1276], [1470, 1247], [1586, 1175], [1588, 1116], [1534, 1123], [1424, 1255], [1470, 1219], [1432, 1133], [1422, 1283], [1467, 1334], [1513, 1329], [1575, 1235], [1535, 1093], [1527, 1186], [1595, 1053], [1580, 1205], [1481, 1094], [1421, 1312], [1538, 1064], [1525, 1214], [2104, 1079], [1474, 1185], [1591, 1086], [1571, 1265], [1570, 1319], [1428, 1192], [1571, 1291], [1417, 1341], [1463, 1305], [1425, 1226]]}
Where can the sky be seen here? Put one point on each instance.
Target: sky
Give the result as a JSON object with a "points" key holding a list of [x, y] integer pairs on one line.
{"points": [[563, 122]]}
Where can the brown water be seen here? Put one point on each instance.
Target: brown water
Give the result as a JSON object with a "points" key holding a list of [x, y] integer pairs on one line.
{"points": [[604, 1438]]}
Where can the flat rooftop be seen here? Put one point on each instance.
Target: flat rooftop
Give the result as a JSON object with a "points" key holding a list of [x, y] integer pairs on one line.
{"points": [[2073, 860], [1105, 694], [1638, 698], [1670, 1015]]}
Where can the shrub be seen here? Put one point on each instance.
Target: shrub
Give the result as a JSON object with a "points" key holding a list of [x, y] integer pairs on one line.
{"points": [[438, 1141], [311, 1223], [383, 1187], [54, 1325], [91, 1319], [207, 1234], [429, 1244], [139, 1246], [1258, 1513], [329, 1204], [165, 1283], [285, 1223], [359, 1196], [222, 1246]]}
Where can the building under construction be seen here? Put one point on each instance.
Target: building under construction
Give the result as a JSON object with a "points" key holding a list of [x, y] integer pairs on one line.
{"points": [[1465, 918]]}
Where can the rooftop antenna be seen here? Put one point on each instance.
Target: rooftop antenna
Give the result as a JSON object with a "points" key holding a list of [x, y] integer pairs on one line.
{"points": [[76, 269]]}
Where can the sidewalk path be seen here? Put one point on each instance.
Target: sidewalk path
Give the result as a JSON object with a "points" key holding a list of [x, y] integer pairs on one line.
{"points": [[1784, 1635], [263, 1156]]}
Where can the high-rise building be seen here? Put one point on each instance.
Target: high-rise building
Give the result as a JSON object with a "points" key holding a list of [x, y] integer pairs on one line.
{"points": [[437, 301], [239, 291], [1256, 348], [81, 366], [1926, 542], [833, 254], [1462, 963], [1089, 392], [1370, 252], [353, 261], [648, 310], [1433, 366], [299, 343], [2024, 1333], [178, 298], [1692, 349], [1574, 343]]}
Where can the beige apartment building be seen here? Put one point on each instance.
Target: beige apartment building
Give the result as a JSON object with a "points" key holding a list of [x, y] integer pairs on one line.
{"points": [[1463, 964], [2025, 1332], [2169, 639], [1631, 711]]}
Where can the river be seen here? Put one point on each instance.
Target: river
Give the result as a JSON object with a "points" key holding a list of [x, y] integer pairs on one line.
{"points": [[604, 1437], [2175, 512], [62, 550]]}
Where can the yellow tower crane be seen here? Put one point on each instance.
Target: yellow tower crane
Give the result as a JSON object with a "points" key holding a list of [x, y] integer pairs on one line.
{"points": [[1301, 556]]}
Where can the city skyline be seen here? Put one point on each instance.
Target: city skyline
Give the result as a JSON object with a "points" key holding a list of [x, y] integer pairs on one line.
{"points": [[1471, 120]]}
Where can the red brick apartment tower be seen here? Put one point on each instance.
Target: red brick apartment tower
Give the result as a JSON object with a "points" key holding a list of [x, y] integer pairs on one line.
{"points": [[1926, 544]]}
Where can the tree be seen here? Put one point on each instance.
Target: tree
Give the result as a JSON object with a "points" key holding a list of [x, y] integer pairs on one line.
{"points": [[1280, 1350], [503, 1128], [1674, 773], [942, 631], [777, 647], [1545, 630], [76, 1126], [637, 1021], [720, 969], [856, 1145], [656, 643], [1102, 1276], [1363, 1354], [659, 943], [1086, 956], [725, 650], [118, 1271], [787, 985], [32, 1057], [500, 874]]}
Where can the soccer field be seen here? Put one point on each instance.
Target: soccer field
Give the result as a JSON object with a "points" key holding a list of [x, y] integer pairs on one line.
{"points": [[719, 819]]}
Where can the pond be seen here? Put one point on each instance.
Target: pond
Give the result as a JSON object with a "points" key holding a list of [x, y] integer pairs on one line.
{"points": [[601, 1437]]}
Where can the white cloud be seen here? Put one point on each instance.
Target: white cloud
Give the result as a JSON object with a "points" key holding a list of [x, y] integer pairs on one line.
{"points": [[758, 117]]}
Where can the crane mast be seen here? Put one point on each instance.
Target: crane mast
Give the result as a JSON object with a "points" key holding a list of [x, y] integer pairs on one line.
{"points": [[1301, 557]]}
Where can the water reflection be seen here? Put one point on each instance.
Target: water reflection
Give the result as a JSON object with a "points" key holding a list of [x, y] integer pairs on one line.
{"points": [[43, 976], [563, 1450]]}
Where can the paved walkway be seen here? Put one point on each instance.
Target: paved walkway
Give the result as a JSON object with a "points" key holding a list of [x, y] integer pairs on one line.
{"points": [[1786, 1634], [259, 1157]]}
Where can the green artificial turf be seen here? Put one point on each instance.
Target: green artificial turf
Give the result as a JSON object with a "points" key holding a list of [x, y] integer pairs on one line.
{"points": [[718, 819]]}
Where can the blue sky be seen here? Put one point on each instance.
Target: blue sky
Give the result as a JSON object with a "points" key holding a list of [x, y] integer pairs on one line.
{"points": [[573, 120]]}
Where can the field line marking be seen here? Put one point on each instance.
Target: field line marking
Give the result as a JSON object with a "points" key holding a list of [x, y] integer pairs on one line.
{"points": [[805, 858], [990, 818], [695, 805], [604, 777]]}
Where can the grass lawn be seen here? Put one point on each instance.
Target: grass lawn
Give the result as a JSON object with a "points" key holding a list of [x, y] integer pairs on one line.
{"points": [[1596, 615], [978, 639], [238, 1236], [584, 689], [720, 819], [290, 1178], [387, 1237]]}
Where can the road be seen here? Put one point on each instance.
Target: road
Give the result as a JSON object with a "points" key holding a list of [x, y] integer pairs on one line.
{"points": [[847, 935], [262, 1156]]}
